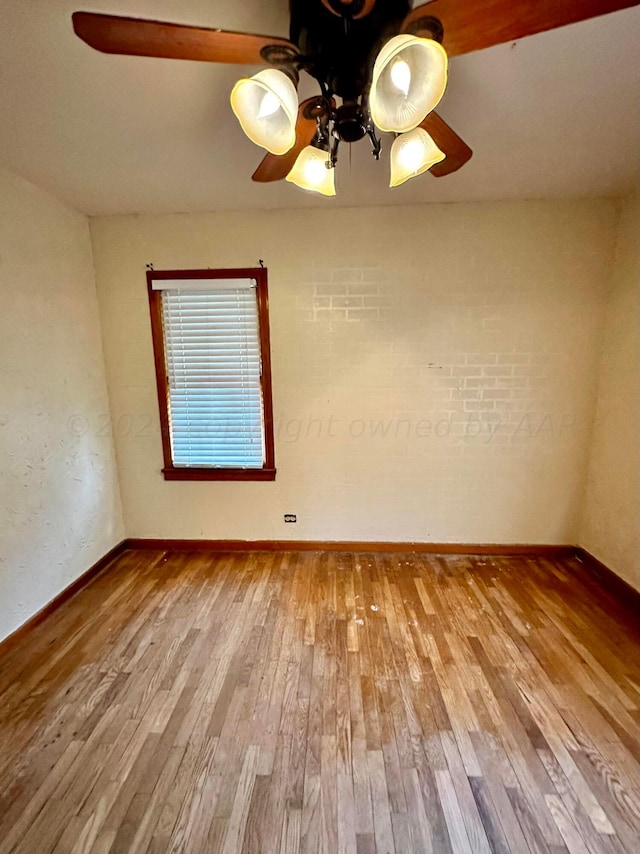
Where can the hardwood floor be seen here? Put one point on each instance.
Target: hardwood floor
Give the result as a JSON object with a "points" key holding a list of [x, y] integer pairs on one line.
{"points": [[309, 702]]}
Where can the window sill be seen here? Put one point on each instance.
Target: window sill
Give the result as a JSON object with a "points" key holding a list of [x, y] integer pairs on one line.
{"points": [[218, 474]]}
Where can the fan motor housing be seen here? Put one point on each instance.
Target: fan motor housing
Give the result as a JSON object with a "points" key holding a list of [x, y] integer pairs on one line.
{"points": [[341, 51], [350, 123]]}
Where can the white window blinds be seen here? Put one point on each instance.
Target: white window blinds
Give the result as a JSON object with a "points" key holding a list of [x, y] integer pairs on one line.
{"points": [[213, 364]]}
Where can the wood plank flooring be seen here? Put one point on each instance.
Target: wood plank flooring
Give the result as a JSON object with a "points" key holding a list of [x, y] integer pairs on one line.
{"points": [[313, 702]]}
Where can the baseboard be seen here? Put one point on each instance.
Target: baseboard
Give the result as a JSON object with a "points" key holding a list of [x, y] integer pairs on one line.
{"points": [[515, 550], [607, 578], [18, 635]]}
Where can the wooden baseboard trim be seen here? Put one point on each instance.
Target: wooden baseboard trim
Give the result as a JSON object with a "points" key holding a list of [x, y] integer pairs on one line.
{"points": [[515, 550], [620, 589], [16, 637]]}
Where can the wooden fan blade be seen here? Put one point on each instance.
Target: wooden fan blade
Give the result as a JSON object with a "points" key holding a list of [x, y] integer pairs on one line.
{"points": [[112, 34], [275, 167], [477, 24], [457, 151]]}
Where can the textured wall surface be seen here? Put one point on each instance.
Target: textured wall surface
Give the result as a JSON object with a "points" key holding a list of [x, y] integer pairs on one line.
{"points": [[434, 369], [610, 527], [59, 500]]}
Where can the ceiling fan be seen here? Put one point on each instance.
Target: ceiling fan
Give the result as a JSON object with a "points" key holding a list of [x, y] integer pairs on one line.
{"points": [[379, 65]]}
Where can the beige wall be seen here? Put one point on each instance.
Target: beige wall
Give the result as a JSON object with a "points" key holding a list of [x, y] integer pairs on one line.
{"points": [[610, 527], [435, 378], [434, 369], [59, 502]]}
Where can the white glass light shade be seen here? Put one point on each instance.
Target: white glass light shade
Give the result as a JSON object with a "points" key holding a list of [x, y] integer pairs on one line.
{"points": [[409, 79], [412, 154], [266, 105], [310, 172]]}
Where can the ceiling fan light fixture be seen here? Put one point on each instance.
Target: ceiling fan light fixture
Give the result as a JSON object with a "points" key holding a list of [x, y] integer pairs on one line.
{"points": [[266, 105], [312, 171], [409, 79], [412, 154]]}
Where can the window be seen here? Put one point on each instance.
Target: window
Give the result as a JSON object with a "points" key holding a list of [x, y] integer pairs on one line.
{"points": [[211, 343]]}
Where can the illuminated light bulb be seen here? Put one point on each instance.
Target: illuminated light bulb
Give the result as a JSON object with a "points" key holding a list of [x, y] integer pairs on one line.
{"points": [[310, 171], [412, 154], [409, 78], [401, 76], [315, 172], [268, 105]]}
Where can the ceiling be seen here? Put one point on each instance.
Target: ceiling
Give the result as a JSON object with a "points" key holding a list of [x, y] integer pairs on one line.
{"points": [[553, 115]]}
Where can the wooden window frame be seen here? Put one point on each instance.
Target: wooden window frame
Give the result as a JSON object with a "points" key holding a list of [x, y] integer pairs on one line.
{"points": [[170, 471]]}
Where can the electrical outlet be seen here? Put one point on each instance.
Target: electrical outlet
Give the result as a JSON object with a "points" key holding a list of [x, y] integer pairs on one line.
{"points": [[290, 517]]}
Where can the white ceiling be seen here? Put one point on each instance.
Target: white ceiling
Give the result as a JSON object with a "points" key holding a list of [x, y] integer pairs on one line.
{"points": [[553, 115]]}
